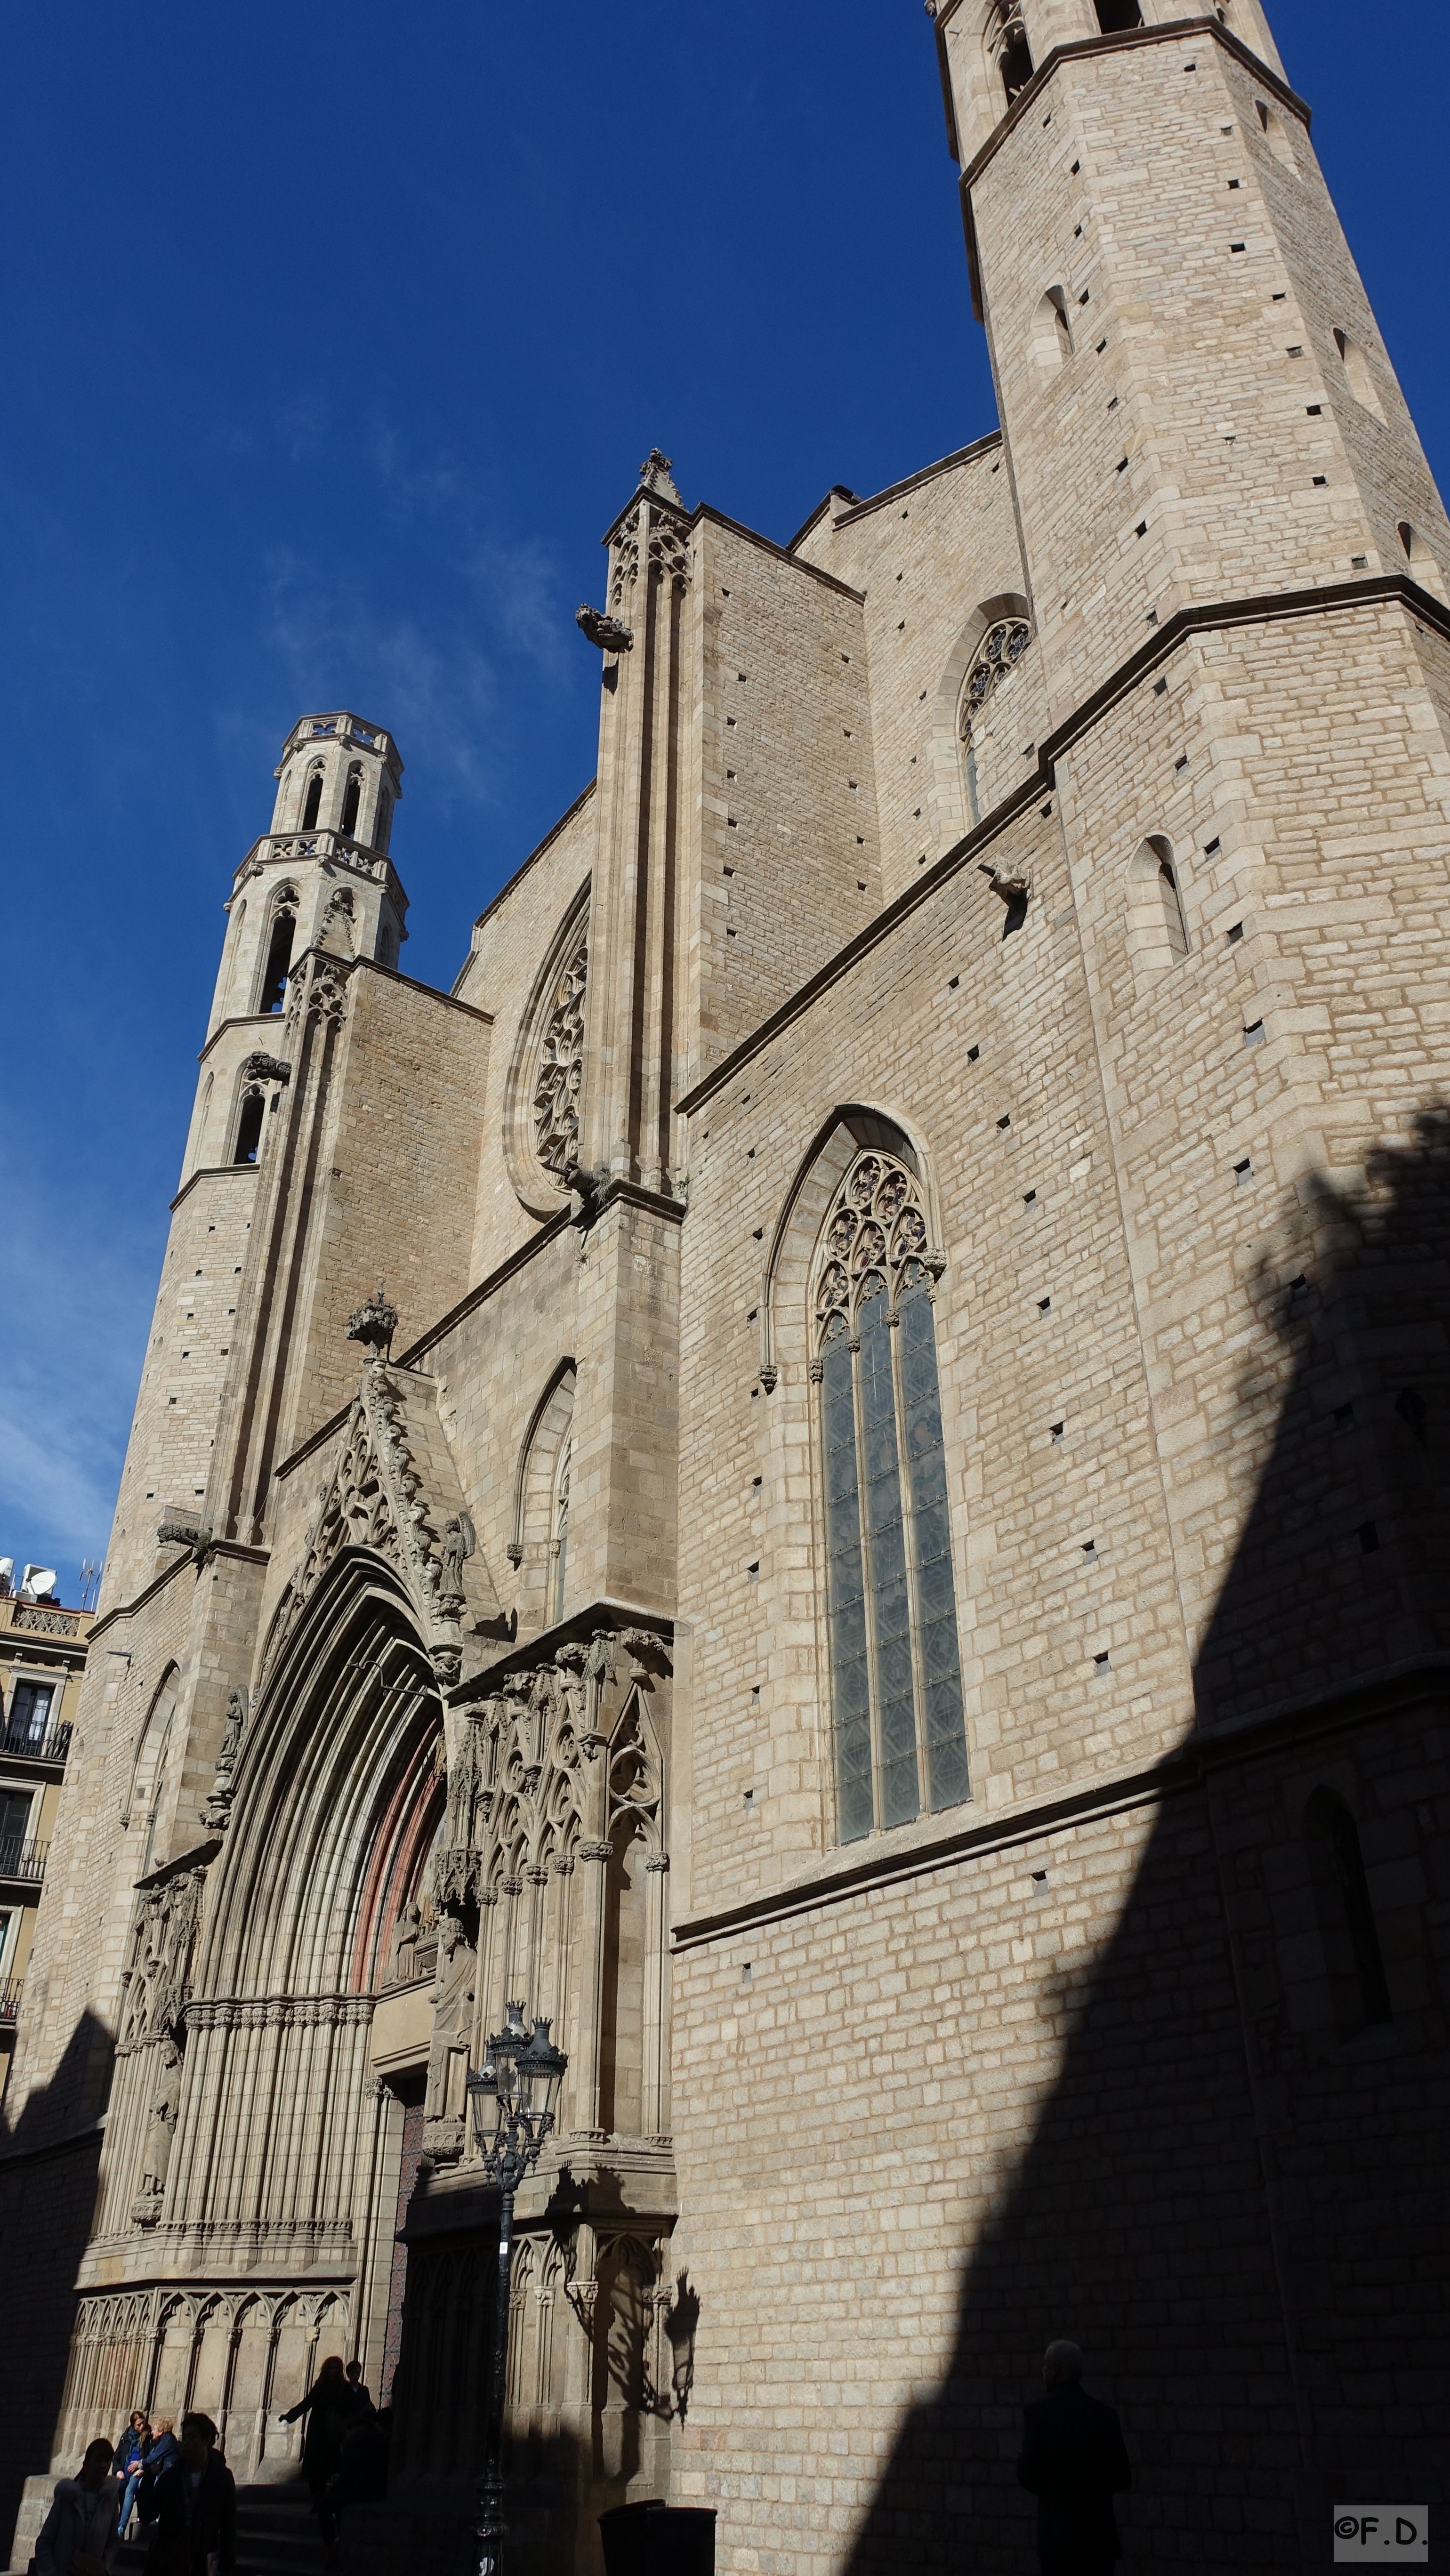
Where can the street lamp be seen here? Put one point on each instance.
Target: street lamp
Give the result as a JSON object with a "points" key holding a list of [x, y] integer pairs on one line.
{"points": [[511, 2098]]}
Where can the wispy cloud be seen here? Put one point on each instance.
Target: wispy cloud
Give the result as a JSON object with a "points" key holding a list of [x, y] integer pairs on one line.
{"points": [[77, 1289]]}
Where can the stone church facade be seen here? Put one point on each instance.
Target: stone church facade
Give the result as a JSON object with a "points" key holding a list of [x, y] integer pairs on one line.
{"points": [[878, 1555]]}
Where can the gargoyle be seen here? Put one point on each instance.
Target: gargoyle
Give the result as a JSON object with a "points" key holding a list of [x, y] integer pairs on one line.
{"points": [[609, 633]]}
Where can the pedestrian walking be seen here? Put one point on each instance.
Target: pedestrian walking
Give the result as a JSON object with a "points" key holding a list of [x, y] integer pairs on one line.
{"points": [[332, 2407], [129, 2460], [1074, 2462], [192, 2506], [78, 2535], [358, 2385]]}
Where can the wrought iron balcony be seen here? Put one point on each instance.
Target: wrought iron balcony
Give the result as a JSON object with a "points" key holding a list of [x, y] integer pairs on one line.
{"points": [[10, 2001], [20, 1859], [52, 1745]]}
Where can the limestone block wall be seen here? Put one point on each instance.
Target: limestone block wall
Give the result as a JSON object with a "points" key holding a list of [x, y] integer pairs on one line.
{"points": [[149, 1726], [1267, 1094], [1161, 394], [938, 559], [62, 2061], [193, 1334], [789, 857]]}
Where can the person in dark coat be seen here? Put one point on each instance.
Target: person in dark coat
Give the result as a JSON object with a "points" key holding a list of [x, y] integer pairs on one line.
{"points": [[1074, 2462], [129, 2460], [78, 2536], [193, 2505], [332, 2408]]}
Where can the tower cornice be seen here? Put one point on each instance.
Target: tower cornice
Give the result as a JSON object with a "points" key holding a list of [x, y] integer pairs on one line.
{"points": [[340, 725]]}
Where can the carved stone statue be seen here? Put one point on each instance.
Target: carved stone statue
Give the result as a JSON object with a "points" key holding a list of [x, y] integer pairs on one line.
{"points": [[458, 1546], [443, 2103], [403, 1948], [160, 2131]]}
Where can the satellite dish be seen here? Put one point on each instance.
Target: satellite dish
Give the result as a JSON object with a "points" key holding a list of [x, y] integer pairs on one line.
{"points": [[37, 1583]]}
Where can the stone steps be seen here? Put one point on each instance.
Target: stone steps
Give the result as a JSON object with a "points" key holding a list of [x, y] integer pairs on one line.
{"points": [[276, 2536]]}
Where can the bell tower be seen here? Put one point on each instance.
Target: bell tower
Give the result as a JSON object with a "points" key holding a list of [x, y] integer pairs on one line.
{"points": [[1197, 404], [321, 877]]}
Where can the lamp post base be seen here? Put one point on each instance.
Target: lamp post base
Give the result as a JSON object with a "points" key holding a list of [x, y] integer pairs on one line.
{"points": [[488, 2530]]}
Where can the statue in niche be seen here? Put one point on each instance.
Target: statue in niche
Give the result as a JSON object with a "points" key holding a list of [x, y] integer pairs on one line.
{"points": [[457, 1547], [218, 1805], [453, 1995], [403, 1948], [160, 2131]]}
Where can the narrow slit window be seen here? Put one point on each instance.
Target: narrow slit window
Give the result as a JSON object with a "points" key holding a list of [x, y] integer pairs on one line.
{"points": [[1353, 1959], [312, 802]]}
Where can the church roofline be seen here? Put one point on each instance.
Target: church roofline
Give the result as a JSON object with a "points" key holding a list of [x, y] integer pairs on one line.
{"points": [[522, 870], [862, 503]]}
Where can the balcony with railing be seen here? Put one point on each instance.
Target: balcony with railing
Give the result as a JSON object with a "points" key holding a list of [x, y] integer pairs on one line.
{"points": [[10, 2001], [23, 1860], [24, 1744], [41, 1618]]}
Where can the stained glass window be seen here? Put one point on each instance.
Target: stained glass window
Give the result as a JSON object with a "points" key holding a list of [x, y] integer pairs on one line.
{"points": [[896, 1686]]}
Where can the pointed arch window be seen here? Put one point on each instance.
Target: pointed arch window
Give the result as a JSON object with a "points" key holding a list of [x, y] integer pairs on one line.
{"points": [[352, 798], [279, 952], [896, 1686], [312, 801], [249, 1127]]}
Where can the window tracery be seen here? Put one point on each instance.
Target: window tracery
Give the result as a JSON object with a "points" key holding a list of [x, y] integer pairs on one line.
{"points": [[998, 654], [997, 657], [561, 1066], [900, 1732]]}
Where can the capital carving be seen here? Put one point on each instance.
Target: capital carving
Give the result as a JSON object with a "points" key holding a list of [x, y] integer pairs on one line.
{"points": [[595, 1851]]}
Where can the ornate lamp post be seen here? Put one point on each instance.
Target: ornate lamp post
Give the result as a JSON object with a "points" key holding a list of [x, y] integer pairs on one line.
{"points": [[511, 2098]]}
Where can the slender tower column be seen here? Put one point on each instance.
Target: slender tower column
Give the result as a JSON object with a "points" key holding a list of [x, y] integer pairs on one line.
{"points": [[634, 975]]}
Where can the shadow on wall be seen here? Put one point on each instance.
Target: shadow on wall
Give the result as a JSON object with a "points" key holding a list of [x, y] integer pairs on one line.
{"points": [[48, 2164], [1232, 2198]]}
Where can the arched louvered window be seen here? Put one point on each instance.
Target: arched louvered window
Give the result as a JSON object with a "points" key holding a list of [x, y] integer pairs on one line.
{"points": [[896, 1687]]}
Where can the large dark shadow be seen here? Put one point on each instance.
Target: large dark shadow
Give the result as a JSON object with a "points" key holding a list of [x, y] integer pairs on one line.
{"points": [[48, 2166], [1233, 2199]]}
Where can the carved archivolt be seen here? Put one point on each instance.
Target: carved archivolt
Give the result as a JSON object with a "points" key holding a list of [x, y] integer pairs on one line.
{"points": [[559, 1066], [543, 1100]]}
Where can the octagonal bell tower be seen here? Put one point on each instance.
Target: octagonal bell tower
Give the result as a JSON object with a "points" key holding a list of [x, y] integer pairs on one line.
{"points": [[321, 877]]}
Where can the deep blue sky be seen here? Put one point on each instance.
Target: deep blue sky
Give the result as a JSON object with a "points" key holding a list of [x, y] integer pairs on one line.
{"points": [[334, 337]]}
